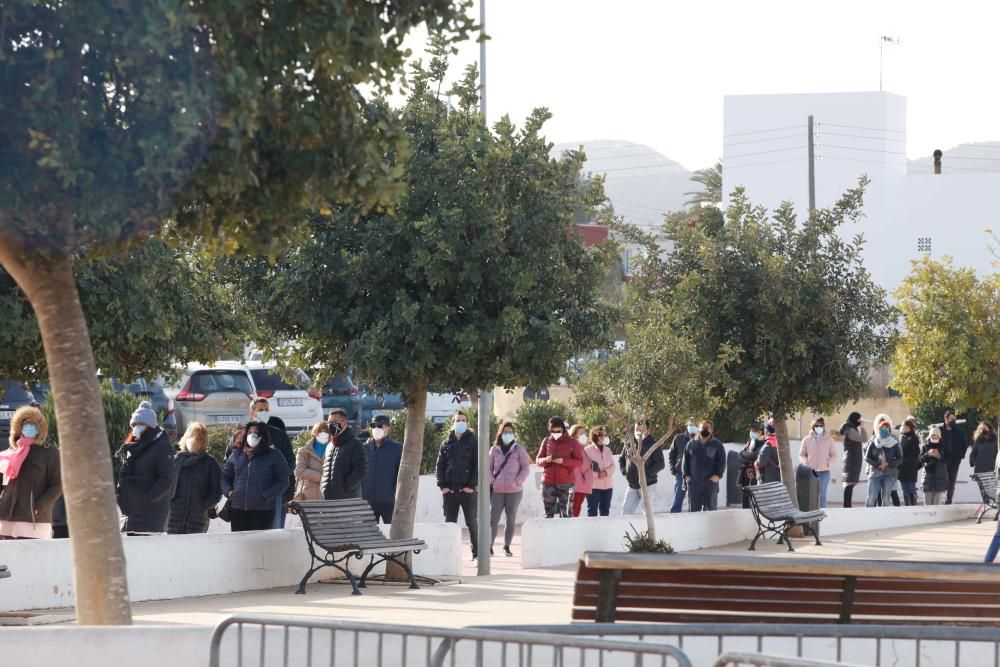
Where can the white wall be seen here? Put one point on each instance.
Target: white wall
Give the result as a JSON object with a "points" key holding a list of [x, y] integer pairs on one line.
{"points": [[165, 567]]}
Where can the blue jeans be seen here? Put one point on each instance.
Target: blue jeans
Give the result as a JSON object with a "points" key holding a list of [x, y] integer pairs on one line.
{"points": [[279, 514], [633, 502], [824, 483], [991, 553], [599, 502], [909, 488], [881, 485], [678, 505]]}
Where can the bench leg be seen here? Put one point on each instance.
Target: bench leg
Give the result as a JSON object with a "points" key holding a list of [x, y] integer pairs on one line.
{"points": [[979, 516], [784, 536], [814, 529], [302, 584]]}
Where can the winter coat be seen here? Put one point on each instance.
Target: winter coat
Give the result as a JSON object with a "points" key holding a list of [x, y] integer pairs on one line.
{"points": [[281, 442], [854, 437], [983, 455], [818, 452], [910, 444], [565, 448], [748, 462], [935, 469], [458, 462], [256, 483], [955, 444], [704, 459], [654, 464], [893, 457], [675, 457], [584, 483], [197, 488], [145, 481], [509, 477], [383, 471], [605, 460], [345, 467], [30, 496], [308, 472], [768, 463]]}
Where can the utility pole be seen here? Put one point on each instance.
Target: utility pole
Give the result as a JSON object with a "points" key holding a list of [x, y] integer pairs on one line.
{"points": [[812, 167], [485, 397]]}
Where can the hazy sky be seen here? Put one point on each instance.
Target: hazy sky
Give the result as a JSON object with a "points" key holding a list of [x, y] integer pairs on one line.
{"points": [[655, 71]]}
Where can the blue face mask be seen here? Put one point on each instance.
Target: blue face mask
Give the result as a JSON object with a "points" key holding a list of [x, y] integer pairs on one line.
{"points": [[507, 438], [461, 427], [29, 431], [754, 435], [692, 430], [884, 432], [137, 431]]}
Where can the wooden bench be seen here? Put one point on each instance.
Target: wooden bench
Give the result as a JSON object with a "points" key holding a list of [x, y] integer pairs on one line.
{"points": [[688, 588], [987, 483], [349, 528], [776, 514]]}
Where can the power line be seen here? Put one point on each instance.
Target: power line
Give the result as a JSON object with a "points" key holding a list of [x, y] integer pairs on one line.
{"points": [[860, 136], [761, 164], [776, 150], [858, 127], [775, 129], [855, 159], [865, 150], [757, 141]]}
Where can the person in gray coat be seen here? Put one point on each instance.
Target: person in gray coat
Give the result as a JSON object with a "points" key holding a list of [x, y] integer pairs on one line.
{"points": [[146, 476]]}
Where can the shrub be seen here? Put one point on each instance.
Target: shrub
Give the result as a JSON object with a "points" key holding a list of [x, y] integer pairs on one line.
{"points": [[433, 438], [219, 438], [532, 422], [641, 543], [474, 422]]}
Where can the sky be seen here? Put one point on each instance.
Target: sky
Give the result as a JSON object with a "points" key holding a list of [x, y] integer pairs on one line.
{"points": [[656, 71]]}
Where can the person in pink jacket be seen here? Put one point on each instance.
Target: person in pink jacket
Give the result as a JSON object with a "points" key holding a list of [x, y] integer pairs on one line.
{"points": [[509, 467], [584, 474], [819, 451], [602, 461]]}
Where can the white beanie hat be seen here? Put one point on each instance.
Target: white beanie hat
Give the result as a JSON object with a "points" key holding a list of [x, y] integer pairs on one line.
{"points": [[145, 415]]}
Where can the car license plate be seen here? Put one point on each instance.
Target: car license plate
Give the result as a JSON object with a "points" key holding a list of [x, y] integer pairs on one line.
{"points": [[6, 415], [290, 402], [227, 419], [383, 413]]}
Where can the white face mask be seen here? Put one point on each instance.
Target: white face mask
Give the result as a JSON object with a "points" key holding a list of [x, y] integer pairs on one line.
{"points": [[253, 440], [582, 439], [137, 431], [819, 430], [378, 433], [638, 436], [507, 438], [263, 416], [556, 434], [605, 441], [323, 438]]}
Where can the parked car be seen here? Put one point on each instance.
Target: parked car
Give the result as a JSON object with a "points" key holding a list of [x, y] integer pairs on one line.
{"points": [[442, 407], [374, 404], [341, 392], [295, 404], [13, 395]]}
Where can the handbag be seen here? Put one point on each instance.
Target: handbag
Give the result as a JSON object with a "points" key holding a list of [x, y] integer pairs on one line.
{"points": [[226, 512]]}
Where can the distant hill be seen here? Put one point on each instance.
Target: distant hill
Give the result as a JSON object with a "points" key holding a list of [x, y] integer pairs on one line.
{"points": [[641, 183], [983, 157]]}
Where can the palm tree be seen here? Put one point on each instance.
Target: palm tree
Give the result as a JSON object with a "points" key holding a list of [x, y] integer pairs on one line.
{"points": [[711, 182]]}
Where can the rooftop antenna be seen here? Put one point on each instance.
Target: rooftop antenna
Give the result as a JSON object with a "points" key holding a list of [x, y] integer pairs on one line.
{"points": [[883, 40]]}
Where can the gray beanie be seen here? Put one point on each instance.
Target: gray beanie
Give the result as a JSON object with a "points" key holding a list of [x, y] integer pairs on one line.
{"points": [[145, 415]]}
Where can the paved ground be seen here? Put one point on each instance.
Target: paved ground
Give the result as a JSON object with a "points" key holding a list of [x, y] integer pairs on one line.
{"points": [[512, 595]]}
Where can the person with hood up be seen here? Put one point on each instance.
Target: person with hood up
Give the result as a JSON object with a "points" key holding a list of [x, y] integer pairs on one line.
{"points": [[883, 456], [654, 464], [704, 466], [254, 475], [309, 464], [768, 461], [584, 483], [146, 475], [909, 441], [934, 458], [748, 462], [983, 455], [854, 436], [509, 467], [819, 452], [602, 461], [384, 457], [345, 465], [458, 476], [32, 481], [559, 458], [675, 460], [197, 483]]}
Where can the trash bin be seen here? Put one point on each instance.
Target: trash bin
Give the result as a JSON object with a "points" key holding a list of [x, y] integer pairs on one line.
{"points": [[807, 488], [734, 494]]}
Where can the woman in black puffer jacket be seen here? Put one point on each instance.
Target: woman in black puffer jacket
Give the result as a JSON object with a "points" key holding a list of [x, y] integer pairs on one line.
{"points": [[198, 487], [146, 475], [254, 478]]}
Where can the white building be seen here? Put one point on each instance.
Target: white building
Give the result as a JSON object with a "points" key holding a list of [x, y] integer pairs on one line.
{"points": [[765, 151]]}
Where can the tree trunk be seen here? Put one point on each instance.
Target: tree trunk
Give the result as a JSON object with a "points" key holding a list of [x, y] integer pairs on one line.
{"points": [[408, 482], [99, 576], [785, 457], [647, 502]]}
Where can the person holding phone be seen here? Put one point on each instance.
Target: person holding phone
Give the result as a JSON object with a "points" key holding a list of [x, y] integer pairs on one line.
{"points": [[559, 460]]}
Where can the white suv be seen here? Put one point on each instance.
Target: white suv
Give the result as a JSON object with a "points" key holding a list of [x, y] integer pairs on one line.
{"points": [[295, 404]]}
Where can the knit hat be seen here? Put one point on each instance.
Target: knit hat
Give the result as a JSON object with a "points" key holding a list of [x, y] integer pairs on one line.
{"points": [[144, 415], [935, 431]]}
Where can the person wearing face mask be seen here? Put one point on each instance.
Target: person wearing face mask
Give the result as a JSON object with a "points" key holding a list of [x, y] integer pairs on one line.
{"points": [[509, 467], [32, 481], [584, 483], [854, 435], [384, 456], [345, 465], [704, 466], [983, 455], [748, 462], [558, 456], [602, 462], [254, 475], [932, 455], [768, 463], [309, 464], [458, 475], [655, 463], [197, 483], [883, 456], [260, 410], [909, 441], [675, 459], [146, 475], [955, 448], [819, 452]]}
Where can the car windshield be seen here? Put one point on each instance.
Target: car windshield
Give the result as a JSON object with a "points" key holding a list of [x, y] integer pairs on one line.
{"points": [[12, 391], [207, 382], [267, 379], [340, 382]]}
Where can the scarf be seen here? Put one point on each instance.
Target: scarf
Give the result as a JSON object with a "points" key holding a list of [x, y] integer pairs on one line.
{"points": [[15, 459], [505, 448], [319, 448], [887, 441]]}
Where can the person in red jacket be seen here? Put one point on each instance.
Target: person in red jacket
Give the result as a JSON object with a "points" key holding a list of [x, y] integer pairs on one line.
{"points": [[559, 458]]}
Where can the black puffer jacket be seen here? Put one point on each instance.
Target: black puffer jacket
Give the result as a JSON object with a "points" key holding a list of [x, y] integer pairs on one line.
{"points": [[458, 462], [197, 488], [654, 465], [983, 455], [145, 481], [345, 467], [935, 469], [675, 457], [853, 457], [911, 457]]}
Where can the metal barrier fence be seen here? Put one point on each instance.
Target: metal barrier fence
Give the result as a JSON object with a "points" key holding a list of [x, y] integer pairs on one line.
{"points": [[876, 645], [263, 641]]}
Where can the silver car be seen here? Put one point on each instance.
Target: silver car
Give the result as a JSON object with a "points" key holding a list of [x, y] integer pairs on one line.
{"points": [[214, 396]]}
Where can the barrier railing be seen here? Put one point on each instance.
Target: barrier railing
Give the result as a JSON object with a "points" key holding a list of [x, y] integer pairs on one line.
{"points": [[264, 641]]}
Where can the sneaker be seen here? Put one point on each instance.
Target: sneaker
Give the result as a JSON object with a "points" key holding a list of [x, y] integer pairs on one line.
{"points": [[491, 551], [507, 551]]}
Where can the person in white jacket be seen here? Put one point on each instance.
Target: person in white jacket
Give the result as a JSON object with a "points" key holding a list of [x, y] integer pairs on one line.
{"points": [[819, 451]]}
